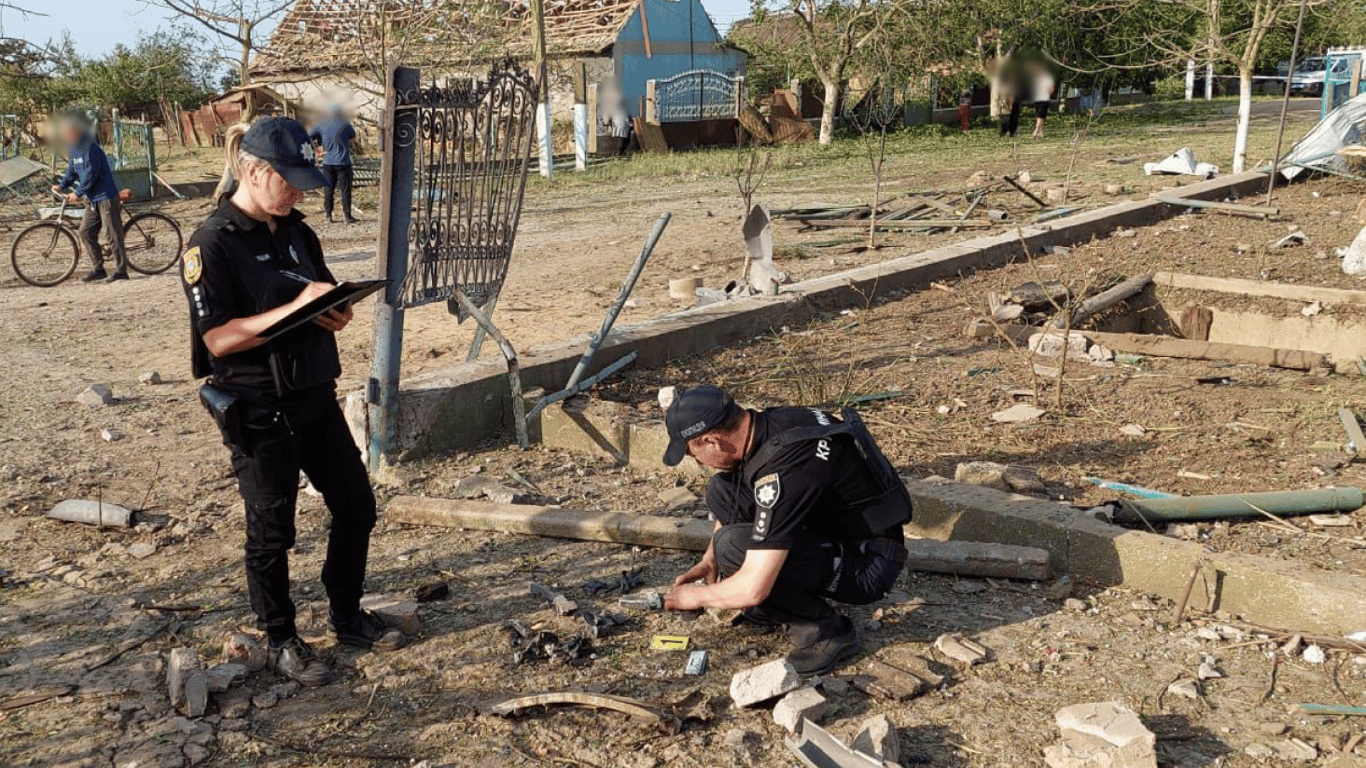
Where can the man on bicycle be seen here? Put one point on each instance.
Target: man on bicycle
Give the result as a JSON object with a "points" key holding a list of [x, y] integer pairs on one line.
{"points": [[88, 168]]}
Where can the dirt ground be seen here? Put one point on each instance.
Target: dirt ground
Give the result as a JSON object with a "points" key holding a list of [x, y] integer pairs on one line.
{"points": [[70, 596]]}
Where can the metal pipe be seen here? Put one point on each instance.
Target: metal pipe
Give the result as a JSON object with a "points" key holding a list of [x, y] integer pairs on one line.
{"points": [[622, 296], [514, 372], [1306, 502], [1285, 101], [582, 386]]}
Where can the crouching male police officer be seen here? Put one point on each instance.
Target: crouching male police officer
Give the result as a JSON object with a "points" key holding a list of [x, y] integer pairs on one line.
{"points": [[806, 508]]}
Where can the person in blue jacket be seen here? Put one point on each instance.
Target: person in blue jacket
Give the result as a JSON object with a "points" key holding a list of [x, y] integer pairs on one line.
{"points": [[335, 135], [89, 175]]}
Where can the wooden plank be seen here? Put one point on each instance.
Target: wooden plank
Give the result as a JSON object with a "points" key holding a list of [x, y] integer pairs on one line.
{"points": [[907, 224], [1248, 210], [972, 558], [1304, 293], [1189, 349]]}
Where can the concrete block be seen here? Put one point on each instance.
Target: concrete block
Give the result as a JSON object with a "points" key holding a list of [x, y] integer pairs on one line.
{"points": [[233, 703], [798, 706], [244, 649], [186, 684], [960, 648], [878, 738], [987, 474], [1104, 733], [763, 683], [397, 612], [223, 676]]}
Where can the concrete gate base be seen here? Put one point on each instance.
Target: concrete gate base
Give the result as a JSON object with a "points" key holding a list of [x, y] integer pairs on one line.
{"points": [[1263, 590], [459, 407]]}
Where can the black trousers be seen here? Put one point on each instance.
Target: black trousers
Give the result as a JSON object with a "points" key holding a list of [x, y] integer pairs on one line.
{"points": [[1011, 122], [816, 568], [339, 183], [104, 215], [315, 440]]}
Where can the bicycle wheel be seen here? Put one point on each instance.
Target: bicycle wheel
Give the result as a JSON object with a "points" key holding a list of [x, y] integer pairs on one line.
{"points": [[152, 242], [45, 254]]}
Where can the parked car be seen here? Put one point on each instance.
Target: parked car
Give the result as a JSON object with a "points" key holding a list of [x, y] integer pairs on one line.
{"points": [[1310, 74]]}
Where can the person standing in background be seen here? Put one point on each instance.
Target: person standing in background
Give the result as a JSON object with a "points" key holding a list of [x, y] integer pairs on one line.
{"points": [[1042, 86], [335, 135], [89, 171]]}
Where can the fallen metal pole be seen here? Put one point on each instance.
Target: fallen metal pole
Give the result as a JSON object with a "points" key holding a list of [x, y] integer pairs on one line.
{"points": [[582, 386], [1012, 182], [1306, 502], [514, 373], [622, 296], [1285, 102], [968, 558]]}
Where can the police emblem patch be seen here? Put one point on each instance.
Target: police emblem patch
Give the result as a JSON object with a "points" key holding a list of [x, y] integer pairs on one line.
{"points": [[192, 265], [767, 490]]}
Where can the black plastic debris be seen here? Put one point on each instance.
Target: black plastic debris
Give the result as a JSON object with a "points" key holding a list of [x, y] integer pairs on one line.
{"points": [[529, 647], [602, 623], [625, 582]]}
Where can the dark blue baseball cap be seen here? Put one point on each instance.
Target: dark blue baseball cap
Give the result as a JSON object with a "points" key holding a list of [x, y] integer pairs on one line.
{"points": [[284, 144], [693, 412]]}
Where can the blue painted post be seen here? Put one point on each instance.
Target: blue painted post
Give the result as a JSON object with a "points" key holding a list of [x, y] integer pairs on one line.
{"points": [[398, 142], [151, 143]]}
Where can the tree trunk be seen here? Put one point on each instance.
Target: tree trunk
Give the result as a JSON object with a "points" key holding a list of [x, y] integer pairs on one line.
{"points": [[832, 95], [1244, 118]]}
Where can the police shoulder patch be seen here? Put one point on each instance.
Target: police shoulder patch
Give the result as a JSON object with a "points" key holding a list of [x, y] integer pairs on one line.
{"points": [[192, 265], [767, 490]]}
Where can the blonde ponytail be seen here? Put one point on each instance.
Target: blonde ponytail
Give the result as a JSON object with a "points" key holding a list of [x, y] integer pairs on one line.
{"points": [[232, 166]]}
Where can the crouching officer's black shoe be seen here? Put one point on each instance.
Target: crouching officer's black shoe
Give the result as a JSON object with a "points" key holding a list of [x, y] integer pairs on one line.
{"points": [[297, 661], [827, 653], [93, 275], [368, 631]]}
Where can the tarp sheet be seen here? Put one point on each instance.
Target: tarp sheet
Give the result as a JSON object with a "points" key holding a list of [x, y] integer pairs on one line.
{"points": [[1318, 149]]}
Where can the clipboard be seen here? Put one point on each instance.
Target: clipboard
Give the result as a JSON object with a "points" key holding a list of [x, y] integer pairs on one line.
{"points": [[347, 293]]}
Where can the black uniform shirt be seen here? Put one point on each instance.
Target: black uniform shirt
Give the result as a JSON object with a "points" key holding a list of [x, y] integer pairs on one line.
{"points": [[811, 484], [236, 267]]}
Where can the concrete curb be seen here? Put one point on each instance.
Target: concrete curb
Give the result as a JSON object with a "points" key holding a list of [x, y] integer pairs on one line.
{"points": [[460, 406]]}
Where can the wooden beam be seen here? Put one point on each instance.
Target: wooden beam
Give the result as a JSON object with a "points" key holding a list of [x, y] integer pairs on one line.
{"points": [[1355, 439], [970, 558], [1188, 349], [645, 28], [898, 224], [1262, 211], [1305, 293], [1106, 299]]}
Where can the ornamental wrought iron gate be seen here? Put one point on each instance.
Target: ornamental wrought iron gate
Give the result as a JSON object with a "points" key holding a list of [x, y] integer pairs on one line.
{"points": [[695, 95], [456, 156]]}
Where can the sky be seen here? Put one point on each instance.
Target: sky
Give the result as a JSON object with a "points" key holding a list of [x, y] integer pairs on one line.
{"points": [[98, 25]]}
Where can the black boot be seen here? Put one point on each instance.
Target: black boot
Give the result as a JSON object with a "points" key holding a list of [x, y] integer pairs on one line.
{"points": [[826, 649], [366, 630], [116, 277], [97, 273]]}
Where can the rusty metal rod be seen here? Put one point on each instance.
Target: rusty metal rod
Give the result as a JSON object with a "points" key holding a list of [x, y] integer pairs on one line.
{"points": [[514, 373]]}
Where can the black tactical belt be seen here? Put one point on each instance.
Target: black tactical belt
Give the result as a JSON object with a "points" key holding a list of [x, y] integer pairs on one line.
{"points": [[892, 550]]}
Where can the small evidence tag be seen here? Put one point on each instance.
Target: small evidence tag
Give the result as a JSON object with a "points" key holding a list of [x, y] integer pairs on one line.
{"points": [[669, 643]]}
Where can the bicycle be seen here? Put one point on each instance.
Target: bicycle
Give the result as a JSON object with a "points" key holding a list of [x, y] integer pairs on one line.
{"points": [[47, 253]]}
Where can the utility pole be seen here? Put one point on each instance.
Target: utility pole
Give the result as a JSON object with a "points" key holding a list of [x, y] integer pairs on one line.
{"points": [[1285, 102], [543, 82]]}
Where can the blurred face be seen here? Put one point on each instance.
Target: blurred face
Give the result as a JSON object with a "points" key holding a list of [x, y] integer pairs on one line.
{"points": [[69, 132], [268, 190], [711, 450]]}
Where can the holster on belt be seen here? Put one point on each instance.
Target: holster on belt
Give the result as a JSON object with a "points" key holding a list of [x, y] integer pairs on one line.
{"points": [[229, 411]]}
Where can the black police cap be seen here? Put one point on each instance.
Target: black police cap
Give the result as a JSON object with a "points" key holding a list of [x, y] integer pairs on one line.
{"points": [[284, 144]]}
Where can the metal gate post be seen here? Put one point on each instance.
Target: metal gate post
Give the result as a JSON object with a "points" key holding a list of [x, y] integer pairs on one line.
{"points": [[398, 142], [151, 158]]}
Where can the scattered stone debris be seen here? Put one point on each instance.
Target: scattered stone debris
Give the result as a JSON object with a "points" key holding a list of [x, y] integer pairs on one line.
{"points": [[999, 476], [233, 703], [225, 675], [1186, 688], [1101, 734], [186, 683], [1209, 669], [1018, 414], [1133, 430], [1062, 588], [265, 700], [149, 378], [1314, 655], [476, 486], [763, 683], [396, 612], [1330, 521], [142, 549], [960, 648], [878, 737], [1296, 750], [1312, 309], [1293, 239], [96, 395], [904, 680], [110, 435], [1182, 162], [562, 605], [800, 705], [244, 649], [677, 498], [92, 512]]}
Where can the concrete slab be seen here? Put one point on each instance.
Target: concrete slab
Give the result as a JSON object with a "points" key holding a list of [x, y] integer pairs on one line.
{"points": [[458, 407]]}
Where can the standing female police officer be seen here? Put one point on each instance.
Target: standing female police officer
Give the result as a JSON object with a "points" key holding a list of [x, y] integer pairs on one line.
{"points": [[250, 264]]}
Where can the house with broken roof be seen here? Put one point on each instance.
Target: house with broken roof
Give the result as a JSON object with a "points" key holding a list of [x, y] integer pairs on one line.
{"points": [[326, 52]]}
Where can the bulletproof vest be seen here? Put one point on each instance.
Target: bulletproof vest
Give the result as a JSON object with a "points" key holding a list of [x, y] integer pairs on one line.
{"points": [[888, 508]]}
